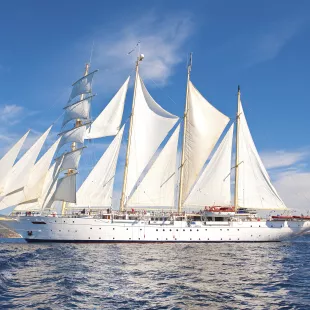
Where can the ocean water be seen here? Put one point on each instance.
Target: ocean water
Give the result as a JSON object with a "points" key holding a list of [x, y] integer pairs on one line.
{"points": [[155, 276]]}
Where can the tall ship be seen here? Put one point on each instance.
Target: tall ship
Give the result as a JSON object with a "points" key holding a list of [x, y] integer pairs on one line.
{"points": [[163, 199]]}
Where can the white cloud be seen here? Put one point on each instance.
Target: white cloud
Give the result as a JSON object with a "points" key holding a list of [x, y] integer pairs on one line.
{"points": [[270, 43], [280, 159], [294, 188], [161, 40], [10, 114]]}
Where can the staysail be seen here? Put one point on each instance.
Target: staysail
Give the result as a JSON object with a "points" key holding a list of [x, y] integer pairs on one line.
{"points": [[157, 188], [150, 125], [7, 161], [109, 120], [205, 125], [96, 191], [213, 186], [20, 172], [254, 186]]}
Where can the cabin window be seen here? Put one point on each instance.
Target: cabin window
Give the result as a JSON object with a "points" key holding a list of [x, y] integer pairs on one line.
{"points": [[219, 219]]}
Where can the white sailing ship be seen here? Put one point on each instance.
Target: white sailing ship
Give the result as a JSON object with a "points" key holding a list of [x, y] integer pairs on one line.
{"points": [[156, 189]]}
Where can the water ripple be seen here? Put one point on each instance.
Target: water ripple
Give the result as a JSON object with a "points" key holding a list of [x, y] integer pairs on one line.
{"points": [[155, 276]]}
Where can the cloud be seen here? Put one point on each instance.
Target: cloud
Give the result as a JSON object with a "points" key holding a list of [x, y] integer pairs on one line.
{"points": [[281, 158], [161, 40], [290, 174], [269, 44], [294, 188], [10, 114]]}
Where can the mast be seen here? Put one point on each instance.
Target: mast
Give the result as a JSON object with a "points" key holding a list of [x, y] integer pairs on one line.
{"points": [[122, 202], [237, 151], [78, 123], [189, 69]]}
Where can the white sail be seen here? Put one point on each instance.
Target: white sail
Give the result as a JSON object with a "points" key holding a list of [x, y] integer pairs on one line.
{"points": [[7, 161], [50, 185], [74, 135], [213, 186], [66, 189], [98, 187], [254, 187], [150, 125], [205, 125], [19, 174], [82, 86], [34, 186], [70, 160], [78, 110], [109, 120], [157, 188], [28, 206]]}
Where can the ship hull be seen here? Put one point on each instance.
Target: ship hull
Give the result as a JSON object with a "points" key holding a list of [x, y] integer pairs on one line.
{"points": [[50, 229]]}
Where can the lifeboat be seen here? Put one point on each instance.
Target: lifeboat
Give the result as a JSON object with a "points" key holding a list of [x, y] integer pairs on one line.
{"points": [[219, 211]]}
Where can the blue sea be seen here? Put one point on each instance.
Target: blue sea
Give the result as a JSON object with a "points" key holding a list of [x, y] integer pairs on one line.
{"points": [[155, 276]]}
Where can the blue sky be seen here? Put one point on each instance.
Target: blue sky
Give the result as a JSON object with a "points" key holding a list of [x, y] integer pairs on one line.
{"points": [[261, 45]]}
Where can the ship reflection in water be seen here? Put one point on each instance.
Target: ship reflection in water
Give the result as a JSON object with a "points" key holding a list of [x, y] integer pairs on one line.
{"points": [[155, 276]]}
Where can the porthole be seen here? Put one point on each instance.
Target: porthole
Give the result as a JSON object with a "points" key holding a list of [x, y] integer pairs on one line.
{"points": [[156, 229], [197, 229], [163, 230], [177, 230], [170, 229], [208, 238], [140, 228], [113, 238], [139, 238], [91, 228], [127, 229], [227, 229], [166, 238], [157, 238], [190, 239], [88, 237], [190, 230], [199, 238], [59, 230], [73, 222], [206, 229], [183, 229], [221, 238], [99, 237], [113, 228], [251, 226], [99, 227], [221, 229]]}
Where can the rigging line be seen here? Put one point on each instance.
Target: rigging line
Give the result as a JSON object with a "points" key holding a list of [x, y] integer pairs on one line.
{"points": [[137, 45], [161, 88]]}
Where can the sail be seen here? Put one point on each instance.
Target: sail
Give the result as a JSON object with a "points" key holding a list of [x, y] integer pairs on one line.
{"points": [[66, 189], [213, 186], [254, 187], [34, 186], [82, 86], [19, 174], [205, 125], [70, 160], [78, 110], [150, 125], [7, 161], [157, 188], [74, 135], [109, 120], [98, 187]]}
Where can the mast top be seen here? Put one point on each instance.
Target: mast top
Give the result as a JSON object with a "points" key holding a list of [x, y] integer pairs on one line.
{"points": [[190, 62], [238, 88]]}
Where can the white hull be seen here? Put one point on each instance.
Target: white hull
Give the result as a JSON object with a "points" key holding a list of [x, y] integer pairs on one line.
{"points": [[54, 229]]}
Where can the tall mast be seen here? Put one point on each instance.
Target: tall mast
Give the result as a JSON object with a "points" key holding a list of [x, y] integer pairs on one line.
{"points": [[122, 203], [78, 123], [189, 69], [237, 151]]}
